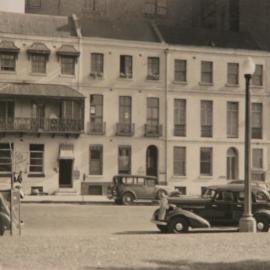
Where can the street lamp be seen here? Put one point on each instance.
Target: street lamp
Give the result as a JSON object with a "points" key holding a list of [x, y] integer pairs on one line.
{"points": [[247, 222]]}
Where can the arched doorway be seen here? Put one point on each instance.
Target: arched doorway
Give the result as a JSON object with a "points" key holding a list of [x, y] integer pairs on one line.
{"points": [[232, 164], [152, 160]]}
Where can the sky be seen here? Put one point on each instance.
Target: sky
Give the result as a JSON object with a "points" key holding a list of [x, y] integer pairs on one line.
{"points": [[12, 5]]}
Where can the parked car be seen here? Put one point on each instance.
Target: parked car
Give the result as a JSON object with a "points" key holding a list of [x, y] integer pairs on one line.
{"points": [[125, 189], [220, 205]]}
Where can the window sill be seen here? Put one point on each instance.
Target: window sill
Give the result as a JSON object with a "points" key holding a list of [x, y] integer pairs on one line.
{"points": [[179, 177], [232, 85], [38, 74], [94, 176], [36, 175], [8, 72], [125, 79], [205, 84], [67, 76], [232, 137], [180, 82], [205, 177], [256, 86], [96, 78]]}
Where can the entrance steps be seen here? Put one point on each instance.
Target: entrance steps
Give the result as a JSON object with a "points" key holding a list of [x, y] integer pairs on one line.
{"points": [[66, 192]]}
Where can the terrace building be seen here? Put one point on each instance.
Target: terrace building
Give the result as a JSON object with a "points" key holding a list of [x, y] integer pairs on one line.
{"points": [[81, 101]]}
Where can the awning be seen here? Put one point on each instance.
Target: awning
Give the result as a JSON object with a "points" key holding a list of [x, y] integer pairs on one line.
{"points": [[55, 91], [38, 48], [68, 50], [66, 151], [8, 46]]}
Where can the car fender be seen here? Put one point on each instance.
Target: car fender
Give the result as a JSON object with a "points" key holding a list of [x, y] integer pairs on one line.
{"points": [[262, 213], [129, 191], [5, 219], [195, 221]]}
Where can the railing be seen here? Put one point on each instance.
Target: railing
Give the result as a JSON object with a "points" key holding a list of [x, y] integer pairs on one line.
{"points": [[151, 130], [206, 131], [125, 129], [258, 175], [256, 133], [180, 130], [41, 125], [97, 128]]}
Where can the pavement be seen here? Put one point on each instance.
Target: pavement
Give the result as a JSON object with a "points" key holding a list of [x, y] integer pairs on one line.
{"points": [[79, 199]]}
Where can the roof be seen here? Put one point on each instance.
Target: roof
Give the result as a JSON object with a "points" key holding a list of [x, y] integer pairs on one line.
{"points": [[133, 29], [193, 36], [39, 90], [234, 187], [38, 25], [68, 50]]}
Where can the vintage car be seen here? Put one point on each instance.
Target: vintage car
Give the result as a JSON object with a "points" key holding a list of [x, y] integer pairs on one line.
{"points": [[125, 189], [220, 205]]}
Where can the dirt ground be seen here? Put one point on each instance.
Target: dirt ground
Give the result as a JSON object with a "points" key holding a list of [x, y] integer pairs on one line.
{"points": [[113, 237]]}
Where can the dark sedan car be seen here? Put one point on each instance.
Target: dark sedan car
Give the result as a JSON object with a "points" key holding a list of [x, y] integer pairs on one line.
{"points": [[220, 205]]}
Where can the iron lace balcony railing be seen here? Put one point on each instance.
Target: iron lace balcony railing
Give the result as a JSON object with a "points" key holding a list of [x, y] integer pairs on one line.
{"points": [[125, 129], [97, 128], [33, 125], [152, 130]]}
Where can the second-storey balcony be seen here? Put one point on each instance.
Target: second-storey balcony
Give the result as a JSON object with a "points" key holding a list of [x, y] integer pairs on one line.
{"points": [[125, 129], [96, 128], [152, 130], [180, 130], [44, 125]]}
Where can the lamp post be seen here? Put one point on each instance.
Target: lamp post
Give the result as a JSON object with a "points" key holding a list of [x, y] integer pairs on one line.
{"points": [[247, 222]]}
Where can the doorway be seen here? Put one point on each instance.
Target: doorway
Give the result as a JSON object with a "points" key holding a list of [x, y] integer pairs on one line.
{"points": [[152, 161], [65, 173], [232, 164]]}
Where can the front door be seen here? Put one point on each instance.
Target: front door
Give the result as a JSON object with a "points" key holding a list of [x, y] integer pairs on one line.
{"points": [[65, 172], [152, 161]]}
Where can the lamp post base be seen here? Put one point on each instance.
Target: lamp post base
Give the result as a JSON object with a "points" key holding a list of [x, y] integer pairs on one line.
{"points": [[247, 224]]}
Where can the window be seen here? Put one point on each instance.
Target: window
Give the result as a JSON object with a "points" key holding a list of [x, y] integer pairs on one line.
{"points": [[179, 117], [153, 68], [125, 66], [68, 65], [125, 110], [206, 72], [36, 159], [38, 63], [90, 4], [6, 113], [182, 189], [153, 112], [5, 158], [97, 60], [206, 118], [206, 161], [96, 112], [96, 159], [233, 73], [34, 3], [155, 7], [71, 110], [8, 62], [179, 161], [257, 113], [180, 70], [124, 160], [257, 77], [232, 119], [257, 172], [232, 164]]}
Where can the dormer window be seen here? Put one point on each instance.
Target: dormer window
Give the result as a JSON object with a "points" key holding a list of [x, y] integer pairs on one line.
{"points": [[39, 55], [8, 56], [68, 57]]}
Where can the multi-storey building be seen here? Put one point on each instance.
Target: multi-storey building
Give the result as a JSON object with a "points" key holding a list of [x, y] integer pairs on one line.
{"points": [[83, 102]]}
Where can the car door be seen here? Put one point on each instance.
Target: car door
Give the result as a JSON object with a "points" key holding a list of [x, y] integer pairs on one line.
{"points": [[139, 187], [150, 188], [219, 210]]}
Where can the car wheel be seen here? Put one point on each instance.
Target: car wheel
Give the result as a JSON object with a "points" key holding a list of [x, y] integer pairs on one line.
{"points": [[262, 224], [160, 193], [178, 225], [128, 198], [163, 228]]}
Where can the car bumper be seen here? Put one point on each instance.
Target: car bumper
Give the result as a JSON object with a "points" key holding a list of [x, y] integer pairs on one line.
{"points": [[158, 222]]}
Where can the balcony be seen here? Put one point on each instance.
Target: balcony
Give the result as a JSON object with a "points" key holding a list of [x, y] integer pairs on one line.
{"points": [[206, 131], [125, 129], [96, 128], [258, 175], [151, 130], [180, 130], [38, 126], [256, 133]]}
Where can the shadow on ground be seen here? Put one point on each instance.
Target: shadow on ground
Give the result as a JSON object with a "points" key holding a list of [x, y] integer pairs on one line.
{"points": [[187, 265]]}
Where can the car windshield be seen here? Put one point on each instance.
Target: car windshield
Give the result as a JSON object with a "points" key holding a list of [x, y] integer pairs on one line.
{"points": [[208, 194]]}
